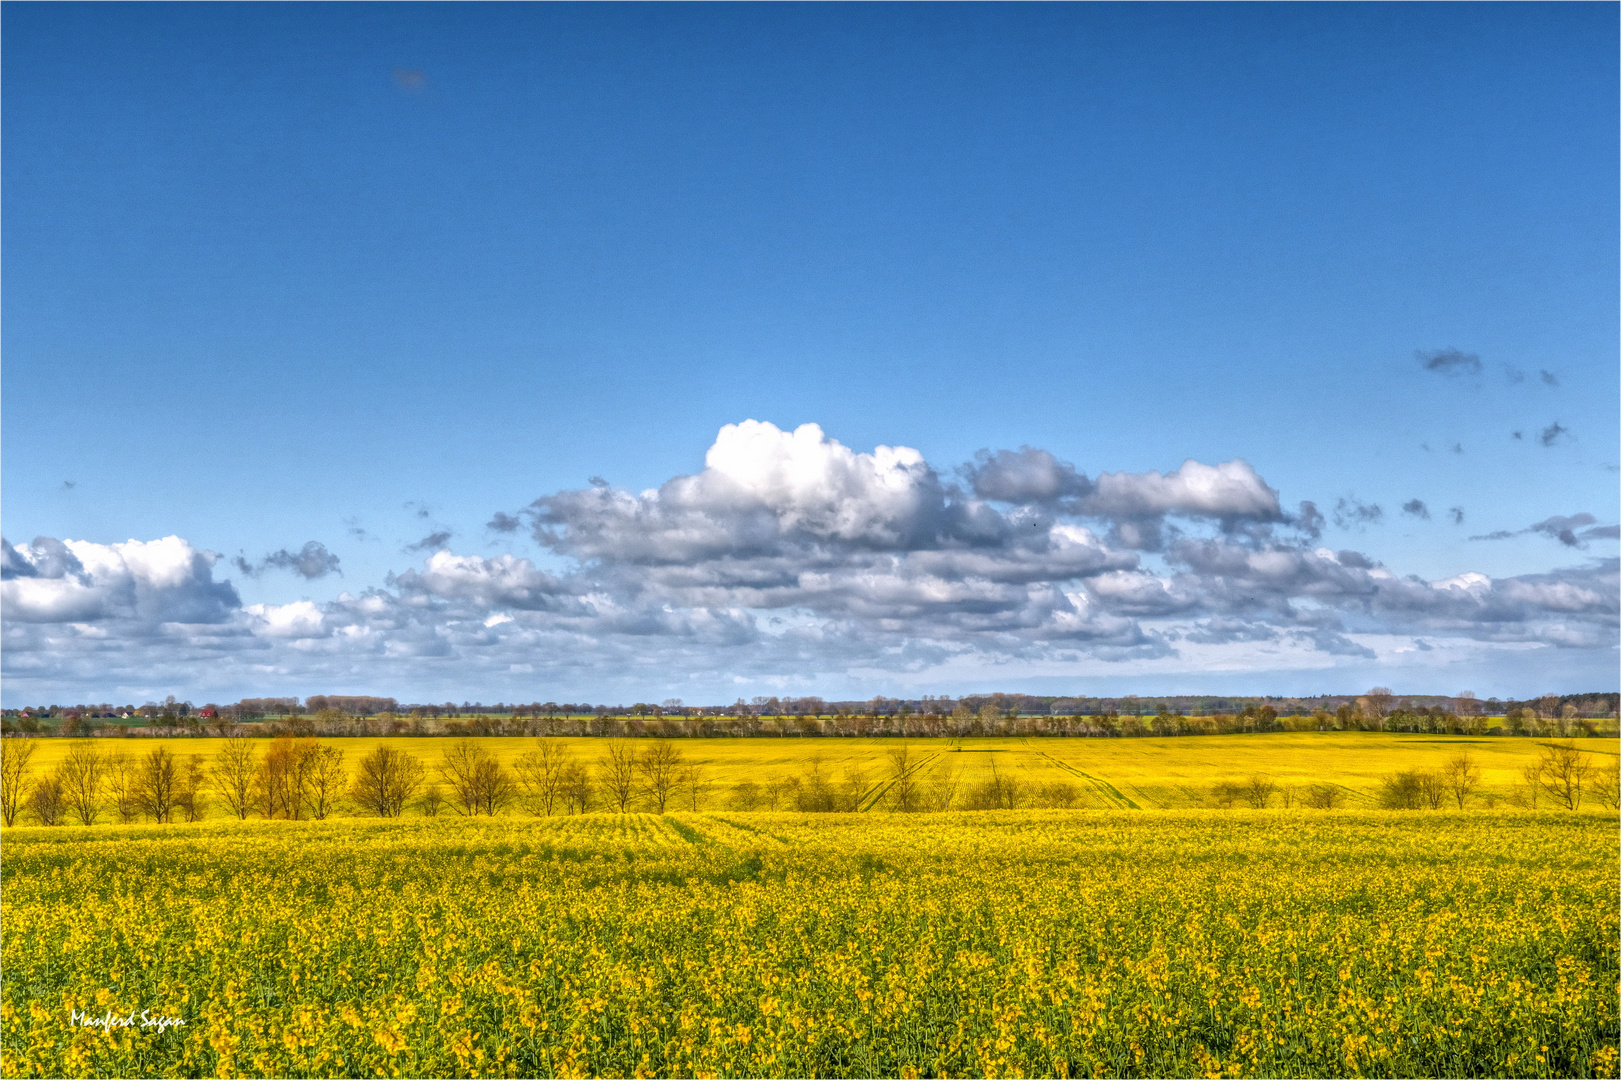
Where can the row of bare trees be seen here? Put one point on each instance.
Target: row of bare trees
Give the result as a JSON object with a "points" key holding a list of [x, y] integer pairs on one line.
{"points": [[299, 778], [1261, 791], [1561, 775], [1413, 789], [1417, 789], [1564, 776], [654, 774], [294, 779], [908, 783], [89, 780], [302, 778]]}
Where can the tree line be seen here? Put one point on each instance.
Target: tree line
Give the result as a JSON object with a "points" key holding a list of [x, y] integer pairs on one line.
{"points": [[302, 778], [1560, 776], [1376, 704], [1370, 713]]}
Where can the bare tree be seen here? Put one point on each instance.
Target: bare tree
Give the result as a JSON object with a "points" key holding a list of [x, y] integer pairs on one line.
{"points": [[773, 791], [123, 787], [1014, 794], [811, 791], [1400, 791], [1412, 790], [943, 787], [15, 779], [746, 795], [1003, 791], [496, 787], [1060, 793], [189, 798], [541, 772], [903, 789], [695, 782], [1432, 788], [852, 789], [1258, 790], [1325, 796], [157, 782], [1461, 776], [618, 775], [1381, 699], [1530, 789], [326, 781], [280, 782], [999, 792], [470, 772], [82, 777], [232, 772], [1607, 785], [660, 765], [386, 780], [577, 786], [48, 800], [1564, 771]]}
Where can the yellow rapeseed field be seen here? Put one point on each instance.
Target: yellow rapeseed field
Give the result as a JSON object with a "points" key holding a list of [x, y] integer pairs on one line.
{"points": [[1131, 773], [1018, 943]]}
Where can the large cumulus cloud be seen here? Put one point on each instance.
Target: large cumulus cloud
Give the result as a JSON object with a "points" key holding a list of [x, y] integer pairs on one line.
{"points": [[762, 490], [791, 555], [154, 582]]}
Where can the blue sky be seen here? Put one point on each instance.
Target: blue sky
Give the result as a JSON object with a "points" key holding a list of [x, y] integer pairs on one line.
{"points": [[366, 275]]}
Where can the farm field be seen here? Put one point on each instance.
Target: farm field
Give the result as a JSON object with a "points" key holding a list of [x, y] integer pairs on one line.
{"points": [[1173, 943], [1127, 773]]}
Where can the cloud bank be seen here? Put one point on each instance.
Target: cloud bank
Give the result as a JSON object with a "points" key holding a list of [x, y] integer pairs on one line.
{"points": [[791, 558]]}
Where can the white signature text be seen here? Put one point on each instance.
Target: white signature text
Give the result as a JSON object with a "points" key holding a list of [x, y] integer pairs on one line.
{"points": [[146, 1018]]}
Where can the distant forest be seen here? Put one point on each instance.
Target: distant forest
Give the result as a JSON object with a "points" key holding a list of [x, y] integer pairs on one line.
{"points": [[928, 716]]}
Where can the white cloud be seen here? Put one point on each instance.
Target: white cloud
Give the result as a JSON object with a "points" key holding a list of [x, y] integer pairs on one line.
{"points": [[155, 581], [301, 619], [1229, 490], [502, 581], [1023, 476], [818, 487], [793, 557], [761, 489]]}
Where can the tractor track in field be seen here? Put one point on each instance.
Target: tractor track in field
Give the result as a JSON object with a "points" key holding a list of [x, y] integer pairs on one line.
{"points": [[871, 799], [1108, 791]]}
